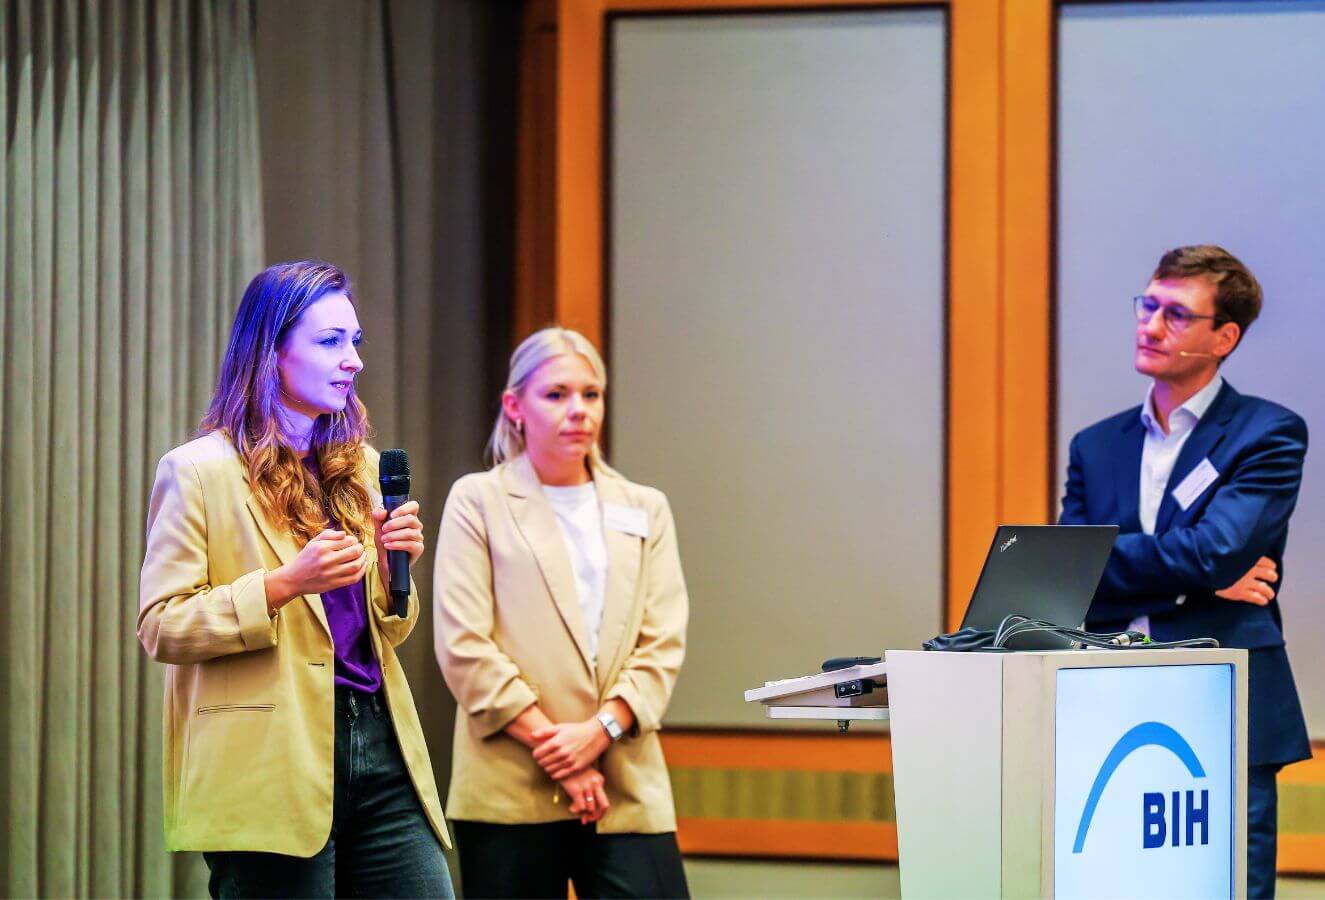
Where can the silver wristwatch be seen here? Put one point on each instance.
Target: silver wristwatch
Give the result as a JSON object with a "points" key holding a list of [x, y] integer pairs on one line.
{"points": [[610, 725]]}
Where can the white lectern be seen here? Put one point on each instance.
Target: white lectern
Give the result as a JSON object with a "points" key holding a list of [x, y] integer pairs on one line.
{"points": [[1075, 773]]}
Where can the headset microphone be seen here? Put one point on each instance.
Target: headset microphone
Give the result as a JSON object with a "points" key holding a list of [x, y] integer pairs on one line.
{"points": [[1210, 355]]}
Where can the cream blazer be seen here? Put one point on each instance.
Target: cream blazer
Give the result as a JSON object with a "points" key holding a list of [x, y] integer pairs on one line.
{"points": [[249, 717], [509, 633]]}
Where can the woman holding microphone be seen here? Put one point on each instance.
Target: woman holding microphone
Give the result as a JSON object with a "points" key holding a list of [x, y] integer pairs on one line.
{"points": [[560, 628], [293, 755]]}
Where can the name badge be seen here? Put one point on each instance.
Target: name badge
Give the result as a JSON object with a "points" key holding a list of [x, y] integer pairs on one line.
{"points": [[628, 519], [1195, 483]]}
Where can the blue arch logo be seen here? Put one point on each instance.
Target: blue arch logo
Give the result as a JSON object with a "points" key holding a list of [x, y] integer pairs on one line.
{"points": [[1147, 734]]}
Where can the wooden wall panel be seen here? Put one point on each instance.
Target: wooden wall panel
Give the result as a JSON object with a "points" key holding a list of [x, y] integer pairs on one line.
{"points": [[580, 263], [974, 301], [535, 192], [805, 781], [1026, 431]]}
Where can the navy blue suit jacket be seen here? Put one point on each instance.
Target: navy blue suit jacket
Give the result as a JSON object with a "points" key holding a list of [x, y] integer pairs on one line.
{"points": [[1258, 448]]}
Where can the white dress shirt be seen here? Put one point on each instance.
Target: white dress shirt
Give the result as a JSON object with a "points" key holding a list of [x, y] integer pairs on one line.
{"points": [[1160, 452], [581, 520]]}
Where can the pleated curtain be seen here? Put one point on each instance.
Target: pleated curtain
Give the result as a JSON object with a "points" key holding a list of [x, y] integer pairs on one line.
{"points": [[130, 220]]}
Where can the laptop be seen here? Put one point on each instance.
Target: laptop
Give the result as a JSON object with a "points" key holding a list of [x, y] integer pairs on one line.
{"points": [[1047, 572]]}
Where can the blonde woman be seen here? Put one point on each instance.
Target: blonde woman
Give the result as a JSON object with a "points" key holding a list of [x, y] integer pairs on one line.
{"points": [[560, 628], [294, 758]]}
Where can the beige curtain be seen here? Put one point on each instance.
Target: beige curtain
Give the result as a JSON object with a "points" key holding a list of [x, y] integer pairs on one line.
{"points": [[130, 219]]}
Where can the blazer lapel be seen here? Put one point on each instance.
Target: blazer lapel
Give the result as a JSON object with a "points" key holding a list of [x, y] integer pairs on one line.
{"points": [[538, 524], [623, 569], [283, 545], [1127, 475], [1205, 437]]}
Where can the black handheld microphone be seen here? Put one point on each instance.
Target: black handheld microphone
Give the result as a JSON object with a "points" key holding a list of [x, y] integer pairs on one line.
{"points": [[393, 473]]}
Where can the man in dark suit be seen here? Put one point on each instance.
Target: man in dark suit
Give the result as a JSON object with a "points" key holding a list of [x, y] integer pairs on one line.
{"points": [[1201, 481]]}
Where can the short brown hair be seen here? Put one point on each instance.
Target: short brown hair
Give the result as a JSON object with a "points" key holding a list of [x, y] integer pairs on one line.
{"points": [[1237, 292]]}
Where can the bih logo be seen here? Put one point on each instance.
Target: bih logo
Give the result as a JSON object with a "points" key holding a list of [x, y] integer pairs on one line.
{"points": [[1154, 826]]}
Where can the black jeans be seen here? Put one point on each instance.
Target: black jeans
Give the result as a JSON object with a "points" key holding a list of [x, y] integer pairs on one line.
{"points": [[381, 844], [537, 860]]}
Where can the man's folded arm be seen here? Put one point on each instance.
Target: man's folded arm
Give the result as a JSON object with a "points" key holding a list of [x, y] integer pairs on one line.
{"points": [[1244, 517]]}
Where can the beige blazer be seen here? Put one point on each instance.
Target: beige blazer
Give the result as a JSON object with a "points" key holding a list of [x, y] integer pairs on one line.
{"points": [[509, 633], [250, 700]]}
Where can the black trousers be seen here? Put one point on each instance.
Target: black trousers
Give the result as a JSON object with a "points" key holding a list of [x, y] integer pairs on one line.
{"points": [[535, 861], [1262, 830]]}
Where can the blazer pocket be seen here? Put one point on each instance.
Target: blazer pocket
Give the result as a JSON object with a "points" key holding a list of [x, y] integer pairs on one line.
{"points": [[236, 707], [222, 741]]}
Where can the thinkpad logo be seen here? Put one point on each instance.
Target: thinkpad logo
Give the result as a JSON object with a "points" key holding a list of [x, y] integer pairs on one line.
{"points": [[1008, 543]]}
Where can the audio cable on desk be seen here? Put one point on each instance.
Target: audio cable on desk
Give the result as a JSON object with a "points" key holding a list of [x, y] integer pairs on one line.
{"points": [[1122, 640]]}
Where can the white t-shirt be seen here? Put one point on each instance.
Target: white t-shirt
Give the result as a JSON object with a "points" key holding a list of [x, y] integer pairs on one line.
{"points": [[581, 521]]}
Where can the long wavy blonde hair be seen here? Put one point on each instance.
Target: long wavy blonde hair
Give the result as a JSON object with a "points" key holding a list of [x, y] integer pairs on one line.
{"points": [[244, 409], [507, 442]]}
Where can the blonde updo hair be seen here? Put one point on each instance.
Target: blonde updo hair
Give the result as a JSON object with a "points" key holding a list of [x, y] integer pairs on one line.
{"points": [[507, 442]]}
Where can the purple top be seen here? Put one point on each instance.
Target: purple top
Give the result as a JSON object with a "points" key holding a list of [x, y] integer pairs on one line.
{"points": [[347, 614]]}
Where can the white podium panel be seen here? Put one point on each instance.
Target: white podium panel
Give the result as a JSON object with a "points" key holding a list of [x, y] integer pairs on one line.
{"points": [[1143, 781]]}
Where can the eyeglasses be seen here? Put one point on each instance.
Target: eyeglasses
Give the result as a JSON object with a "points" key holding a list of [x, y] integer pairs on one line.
{"points": [[1176, 318]]}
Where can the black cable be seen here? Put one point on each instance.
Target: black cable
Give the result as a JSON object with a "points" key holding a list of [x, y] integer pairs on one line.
{"points": [[1016, 624], [1118, 641]]}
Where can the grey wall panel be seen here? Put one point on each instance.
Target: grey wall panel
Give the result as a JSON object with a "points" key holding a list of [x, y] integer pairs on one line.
{"points": [[1189, 123], [776, 321]]}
